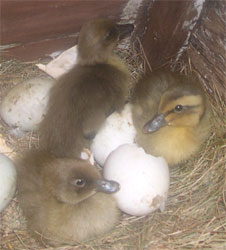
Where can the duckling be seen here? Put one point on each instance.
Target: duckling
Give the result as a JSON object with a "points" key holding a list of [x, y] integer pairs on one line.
{"points": [[83, 97], [64, 200], [171, 115]]}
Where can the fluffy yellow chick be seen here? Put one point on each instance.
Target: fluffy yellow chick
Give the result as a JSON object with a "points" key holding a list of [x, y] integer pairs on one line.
{"points": [[171, 115], [64, 200]]}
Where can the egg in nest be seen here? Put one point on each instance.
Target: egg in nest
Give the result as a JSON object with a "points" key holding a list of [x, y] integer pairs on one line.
{"points": [[25, 105], [7, 181]]}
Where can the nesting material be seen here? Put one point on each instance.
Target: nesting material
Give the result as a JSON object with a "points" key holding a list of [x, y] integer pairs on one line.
{"points": [[4, 149]]}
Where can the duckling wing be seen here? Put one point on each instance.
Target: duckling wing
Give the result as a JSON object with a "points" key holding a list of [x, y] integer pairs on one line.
{"points": [[102, 94], [78, 105]]}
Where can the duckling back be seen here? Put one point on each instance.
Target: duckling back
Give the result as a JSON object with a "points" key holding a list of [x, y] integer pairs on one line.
{"points": [[61, 201], [162, 128], [79, 104], [83, 97]]}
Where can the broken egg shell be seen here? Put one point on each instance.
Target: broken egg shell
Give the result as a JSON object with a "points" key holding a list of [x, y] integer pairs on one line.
{"points": [[62, 64], [118, 129], [143, 178]]}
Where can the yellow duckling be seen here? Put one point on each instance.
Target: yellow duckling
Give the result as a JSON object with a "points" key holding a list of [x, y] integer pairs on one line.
{"points": [[171, 114], [64, 200], [82, 98]]}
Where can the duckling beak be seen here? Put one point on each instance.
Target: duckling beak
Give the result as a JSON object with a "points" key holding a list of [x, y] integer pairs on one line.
{"points": [[124, 30], [155, 124], [107, 186]]}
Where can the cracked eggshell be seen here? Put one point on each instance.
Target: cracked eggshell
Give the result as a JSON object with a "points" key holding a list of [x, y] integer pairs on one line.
{"points": [[62, 64], [7, 181], [118, 129], [143, 178], [25, 105]]}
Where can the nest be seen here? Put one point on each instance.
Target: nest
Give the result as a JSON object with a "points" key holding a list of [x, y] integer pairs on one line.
{"points": [[195, 214]]}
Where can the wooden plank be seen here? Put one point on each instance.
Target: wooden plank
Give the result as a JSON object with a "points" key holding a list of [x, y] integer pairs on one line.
{"points": [[207, 50], [30, 21], [41, 49], [164, 28]]}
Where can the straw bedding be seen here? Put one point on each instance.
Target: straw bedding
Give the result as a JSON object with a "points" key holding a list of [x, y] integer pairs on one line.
{"points": [[195, 214]]}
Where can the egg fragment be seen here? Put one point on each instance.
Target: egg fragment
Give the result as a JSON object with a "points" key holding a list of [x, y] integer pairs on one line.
{"points": [[60, 65], [25, 105], [118, 129], [143, 178], [7, 181]]}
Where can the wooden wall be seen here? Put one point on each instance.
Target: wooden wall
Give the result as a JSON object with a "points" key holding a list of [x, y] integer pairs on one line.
{"points": [[167, 29], [37, 28], [207, 50], [164, 28]]}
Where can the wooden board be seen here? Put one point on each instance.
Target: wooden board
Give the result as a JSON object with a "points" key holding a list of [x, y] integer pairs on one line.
{"points": [[37, 28], [164, 28], [207, 50]]}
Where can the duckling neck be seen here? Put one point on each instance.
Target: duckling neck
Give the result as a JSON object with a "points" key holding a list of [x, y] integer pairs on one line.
{"points": [[113, 60], [71, 223], [178, 143], [91, 60], [117, 62]]}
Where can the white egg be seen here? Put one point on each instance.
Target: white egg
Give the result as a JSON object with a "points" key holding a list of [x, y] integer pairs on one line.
{"points": [[7, 181], [143, 179], [25, 105], [118, 129]]}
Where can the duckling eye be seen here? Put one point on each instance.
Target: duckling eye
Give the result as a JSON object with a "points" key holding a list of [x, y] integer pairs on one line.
{"points": [[111, 34], [178, 108], [79, 182]]}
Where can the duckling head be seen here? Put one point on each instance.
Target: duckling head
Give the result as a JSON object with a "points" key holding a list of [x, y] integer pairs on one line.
{"points": [[74, 180], [180, 106], [98, 38]]}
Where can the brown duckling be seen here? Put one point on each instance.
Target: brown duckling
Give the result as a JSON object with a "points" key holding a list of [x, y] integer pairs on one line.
{"points": [[64, 200], [171, 115], [83, 97]]}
